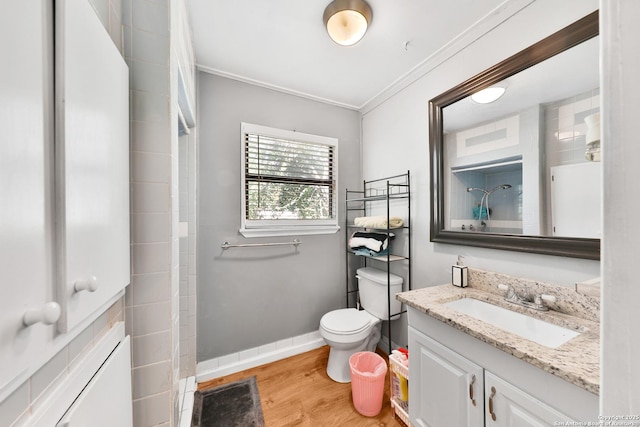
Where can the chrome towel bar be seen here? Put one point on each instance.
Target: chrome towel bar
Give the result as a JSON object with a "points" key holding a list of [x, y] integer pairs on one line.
{"points": [[227, 245]]}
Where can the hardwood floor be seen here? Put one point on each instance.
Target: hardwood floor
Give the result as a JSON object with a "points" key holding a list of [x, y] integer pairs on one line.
{"points": [[297, 392]]}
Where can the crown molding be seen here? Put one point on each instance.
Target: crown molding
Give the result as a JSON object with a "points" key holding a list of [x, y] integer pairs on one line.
{"points": [[265, 85], [487, 23]]}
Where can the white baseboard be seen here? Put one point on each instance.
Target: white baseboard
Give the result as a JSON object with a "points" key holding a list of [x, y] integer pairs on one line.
{"points": [[236, 362]]}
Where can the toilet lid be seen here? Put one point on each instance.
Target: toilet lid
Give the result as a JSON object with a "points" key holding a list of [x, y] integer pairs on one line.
{"points": [[346, 321]]}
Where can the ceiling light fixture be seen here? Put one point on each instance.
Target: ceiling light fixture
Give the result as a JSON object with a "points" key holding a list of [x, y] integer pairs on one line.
{"points": [[347, 20], [488, 95]]}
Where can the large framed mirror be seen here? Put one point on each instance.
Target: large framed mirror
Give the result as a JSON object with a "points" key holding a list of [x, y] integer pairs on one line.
{"points": [[522, 172]]}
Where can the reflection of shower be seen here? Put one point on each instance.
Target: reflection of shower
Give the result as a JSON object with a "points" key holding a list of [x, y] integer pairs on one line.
{"points": [[485, 198]]}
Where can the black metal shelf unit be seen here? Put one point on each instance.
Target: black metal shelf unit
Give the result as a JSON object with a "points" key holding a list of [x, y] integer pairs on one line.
{"points": [[384, 191]]}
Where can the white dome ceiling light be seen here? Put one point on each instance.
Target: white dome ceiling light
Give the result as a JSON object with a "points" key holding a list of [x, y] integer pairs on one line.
{"points": [[347, 20], [488, 95]]}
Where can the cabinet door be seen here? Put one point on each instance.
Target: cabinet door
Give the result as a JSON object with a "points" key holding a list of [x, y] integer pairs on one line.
{"points": [[26, 117], [106, 400], [509, 406], [92, 107], [445, 389], [573, 191]]}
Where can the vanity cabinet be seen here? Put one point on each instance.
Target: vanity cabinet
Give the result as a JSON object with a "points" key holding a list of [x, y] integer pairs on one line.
{"points": [[458, 380], [449, 389], [445, 388], [509, 406]]}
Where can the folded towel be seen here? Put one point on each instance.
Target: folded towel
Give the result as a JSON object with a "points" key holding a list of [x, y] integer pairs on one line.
{"points": [[369, 252], [378, 221], [376, 242]]}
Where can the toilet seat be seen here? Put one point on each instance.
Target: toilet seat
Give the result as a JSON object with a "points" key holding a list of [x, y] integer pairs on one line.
{"points": [[347, 321]]}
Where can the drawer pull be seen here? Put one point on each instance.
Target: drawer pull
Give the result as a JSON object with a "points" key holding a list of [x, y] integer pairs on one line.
{"points": [[89, 285], [48, 314], [473, 381], [493, 394]]}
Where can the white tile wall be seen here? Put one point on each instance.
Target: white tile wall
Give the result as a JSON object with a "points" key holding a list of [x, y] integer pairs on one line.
{"points": [[187, 388], [149, 197], [149, 16], [150, 167], [152, 348], [152, 410], [566, 130], [187, 186], [151, 257], [151, 379], [150, 288], [153, 301]]}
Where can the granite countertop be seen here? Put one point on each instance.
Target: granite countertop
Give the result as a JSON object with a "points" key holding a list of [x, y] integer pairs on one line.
{"points": [[576, 361]]}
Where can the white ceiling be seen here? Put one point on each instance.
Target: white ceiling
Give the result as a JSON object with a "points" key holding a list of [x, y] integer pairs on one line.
{"points": [[572, 72], [283, 43]]}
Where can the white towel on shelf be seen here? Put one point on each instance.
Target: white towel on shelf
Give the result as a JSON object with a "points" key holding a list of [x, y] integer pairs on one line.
{"points": [[376, 242], [378, 221]]}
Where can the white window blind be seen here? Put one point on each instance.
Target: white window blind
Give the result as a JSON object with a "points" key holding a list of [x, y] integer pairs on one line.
{"points": [[289, 179]]}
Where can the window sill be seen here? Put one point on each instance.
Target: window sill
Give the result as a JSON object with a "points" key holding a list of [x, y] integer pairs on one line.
{"points": [[291, 231]]}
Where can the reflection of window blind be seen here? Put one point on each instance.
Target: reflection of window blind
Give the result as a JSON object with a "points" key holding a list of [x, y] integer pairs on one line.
{"points": [[286, 179]]}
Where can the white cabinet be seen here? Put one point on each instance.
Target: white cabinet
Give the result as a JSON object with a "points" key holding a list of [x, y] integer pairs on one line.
{"points": [[448, 389], [64, 214], [575, 196], [26, 239], [509, 406], [106, 400], [92, 150], [445, 388]]}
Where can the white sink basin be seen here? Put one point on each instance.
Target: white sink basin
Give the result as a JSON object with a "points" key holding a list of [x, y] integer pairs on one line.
{"points": [[533, 329]]}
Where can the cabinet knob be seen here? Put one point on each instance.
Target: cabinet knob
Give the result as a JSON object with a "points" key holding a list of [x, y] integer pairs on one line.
{"points": [[89, 285], [48, 314]]}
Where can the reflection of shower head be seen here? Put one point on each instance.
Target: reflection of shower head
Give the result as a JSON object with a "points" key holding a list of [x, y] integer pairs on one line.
{"points": [[485, 200], [499, 187], [470, 189]]}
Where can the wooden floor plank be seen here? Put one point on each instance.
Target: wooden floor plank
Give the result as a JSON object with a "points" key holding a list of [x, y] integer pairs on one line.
{"points": [[297, 392]]}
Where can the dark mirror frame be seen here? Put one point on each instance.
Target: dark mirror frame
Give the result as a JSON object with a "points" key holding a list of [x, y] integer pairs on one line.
{"points": [[576, 33]]}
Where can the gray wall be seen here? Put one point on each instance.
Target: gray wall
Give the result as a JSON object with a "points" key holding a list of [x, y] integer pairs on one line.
{"points": [[249, 297]]}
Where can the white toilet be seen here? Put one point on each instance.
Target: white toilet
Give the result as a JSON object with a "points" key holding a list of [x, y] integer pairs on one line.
{"points": [[348, 331]]}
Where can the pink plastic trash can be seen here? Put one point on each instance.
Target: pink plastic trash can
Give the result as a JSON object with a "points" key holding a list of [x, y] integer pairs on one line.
{"points": [[368, 372]]}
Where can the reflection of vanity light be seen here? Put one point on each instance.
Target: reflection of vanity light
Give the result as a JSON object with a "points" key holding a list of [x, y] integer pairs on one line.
{"points": [[488, 95], [593, 137]]}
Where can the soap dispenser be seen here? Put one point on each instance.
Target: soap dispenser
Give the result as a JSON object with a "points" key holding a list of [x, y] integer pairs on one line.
{"points": [[459, 274]]}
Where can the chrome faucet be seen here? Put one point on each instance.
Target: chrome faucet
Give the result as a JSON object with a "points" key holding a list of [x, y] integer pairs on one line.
{"points": [[536, 302]]}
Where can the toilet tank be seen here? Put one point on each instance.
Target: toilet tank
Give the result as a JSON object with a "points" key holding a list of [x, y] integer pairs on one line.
{"points": [[372, 284]]}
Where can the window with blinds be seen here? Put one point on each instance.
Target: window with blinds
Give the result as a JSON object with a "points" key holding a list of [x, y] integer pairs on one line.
{"points": [[289, 178]]}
